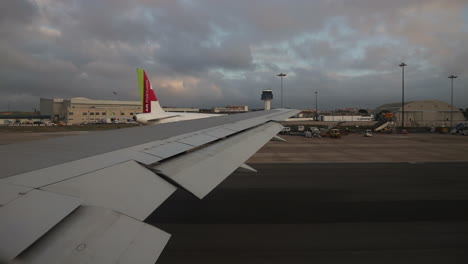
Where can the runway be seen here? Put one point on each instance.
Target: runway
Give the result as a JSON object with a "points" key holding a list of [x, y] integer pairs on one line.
{"points": [[323, 213]]}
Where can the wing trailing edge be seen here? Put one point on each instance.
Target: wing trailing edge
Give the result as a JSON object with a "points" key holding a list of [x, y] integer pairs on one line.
{"points": [[202, 170]]}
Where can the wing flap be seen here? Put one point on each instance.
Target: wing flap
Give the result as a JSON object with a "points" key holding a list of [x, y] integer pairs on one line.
{"points": [[97, 235], [202, 170], [27, 218], [128, 188]]}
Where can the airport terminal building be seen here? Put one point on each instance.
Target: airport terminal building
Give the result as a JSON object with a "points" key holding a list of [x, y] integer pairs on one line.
{"points": [[80, 109], [427, 113]]}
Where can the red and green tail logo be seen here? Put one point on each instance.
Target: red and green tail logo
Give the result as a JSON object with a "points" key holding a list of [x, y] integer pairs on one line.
{"points": [[147, 94]]}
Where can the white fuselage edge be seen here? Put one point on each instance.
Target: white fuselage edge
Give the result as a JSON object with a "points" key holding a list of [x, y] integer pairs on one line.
{"points": [[167, 117]]}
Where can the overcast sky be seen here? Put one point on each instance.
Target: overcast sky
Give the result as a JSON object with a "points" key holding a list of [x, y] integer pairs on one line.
{"points": [[206, 53]]}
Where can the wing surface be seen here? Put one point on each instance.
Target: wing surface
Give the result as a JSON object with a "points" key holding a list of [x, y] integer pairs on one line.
{"points": [[83, 199]]}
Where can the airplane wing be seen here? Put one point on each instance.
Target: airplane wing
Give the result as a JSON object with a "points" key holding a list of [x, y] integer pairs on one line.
{"points": [[83, 199]]}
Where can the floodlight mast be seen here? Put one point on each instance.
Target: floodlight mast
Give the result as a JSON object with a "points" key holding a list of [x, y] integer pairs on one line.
{"points": [[402, 65], [316, 106], [451, 77], [281, 75]]}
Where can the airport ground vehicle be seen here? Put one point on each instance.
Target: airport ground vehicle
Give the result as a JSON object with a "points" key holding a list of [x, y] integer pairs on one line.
{"points": [[387, 130], [312, 132], [368, 133], [285, 130], [331, 133], [458, 129], [464, 132], [335, 133]]}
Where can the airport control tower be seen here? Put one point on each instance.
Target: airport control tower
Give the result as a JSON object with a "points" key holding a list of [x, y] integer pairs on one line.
{"points": [[267, 96]]}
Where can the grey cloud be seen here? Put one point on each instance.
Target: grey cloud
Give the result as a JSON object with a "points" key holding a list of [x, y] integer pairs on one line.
{"points": [[379, 58], [91, 48], [17, 11], [321, 53], [187, 56]]}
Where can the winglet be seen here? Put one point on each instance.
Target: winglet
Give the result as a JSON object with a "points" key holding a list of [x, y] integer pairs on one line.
{"points": [[278, 138], [245, 168]]}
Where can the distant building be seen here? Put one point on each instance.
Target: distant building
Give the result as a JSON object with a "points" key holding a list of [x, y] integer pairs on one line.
{"points": [[345, 118], [308, 113], [427, 113], [7, 118], [231, 109], [78, 110], [347, 110]]}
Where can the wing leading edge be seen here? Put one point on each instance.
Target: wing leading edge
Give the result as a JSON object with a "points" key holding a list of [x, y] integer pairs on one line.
{"points": [[106, 197]]}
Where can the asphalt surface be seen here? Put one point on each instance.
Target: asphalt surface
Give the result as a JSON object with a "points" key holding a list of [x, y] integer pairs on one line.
{"points": [[323, 213], [357, 148]]}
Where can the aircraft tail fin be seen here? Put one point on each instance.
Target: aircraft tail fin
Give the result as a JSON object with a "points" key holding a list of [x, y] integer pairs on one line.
{"points": [[149, 100]]}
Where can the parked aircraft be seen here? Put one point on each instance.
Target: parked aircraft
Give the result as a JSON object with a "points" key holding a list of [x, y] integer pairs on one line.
{"points": [[152, 111]]}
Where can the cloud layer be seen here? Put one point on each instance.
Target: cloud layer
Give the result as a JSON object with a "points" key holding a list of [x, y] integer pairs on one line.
{"points": [[206, 53]]}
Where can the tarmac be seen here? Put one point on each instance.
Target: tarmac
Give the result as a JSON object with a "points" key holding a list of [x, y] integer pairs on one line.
{"points": [[357, 148], [17, 137], [323, 213], [386, 199]]}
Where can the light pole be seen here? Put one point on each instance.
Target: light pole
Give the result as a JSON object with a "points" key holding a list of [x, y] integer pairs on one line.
{"points": [[451, 101], [316, 106], [281, 75], [402, 65]]}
